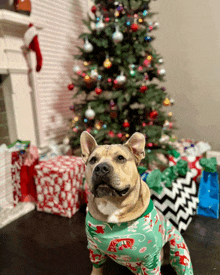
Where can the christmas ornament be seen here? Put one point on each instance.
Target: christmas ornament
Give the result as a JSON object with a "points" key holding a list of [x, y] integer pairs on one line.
{"points": [[88, 47], [145, 13], [76, 69], [140, 68], [172, 101], [121, 79], [149, 57], [83, 74], [109, 80], [87, 79], [143, 89], [144, 124], [32, 43], [150, 28], [119, 135], [153, 114], [111, 134], [85, 120], [134, 27], [132, 73], [117, 35], [170, 114], [162, 72], [160, 61], [166, 102], [85, 63], [98, 125], [163, 88], [72, 108], [76, 118], [94, 74], [98, 90], [150, 144], [112, 103], [126, 124], [148, 38], [93, 9], [140, 20], [89, 113], [127, 135], [156, 24], [107, 63], [100, 25], [70, 87], [171, 125], [146, 63], [75, 130]]}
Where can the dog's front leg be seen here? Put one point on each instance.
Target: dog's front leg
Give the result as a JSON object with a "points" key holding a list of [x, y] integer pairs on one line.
{"points": [[97, 271]]}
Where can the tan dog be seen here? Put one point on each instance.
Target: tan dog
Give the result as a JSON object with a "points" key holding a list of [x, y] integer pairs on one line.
{"points": [[118, 194]]}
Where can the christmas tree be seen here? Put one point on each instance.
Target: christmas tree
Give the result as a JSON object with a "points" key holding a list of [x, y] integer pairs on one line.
{"points": [[117, 78]]}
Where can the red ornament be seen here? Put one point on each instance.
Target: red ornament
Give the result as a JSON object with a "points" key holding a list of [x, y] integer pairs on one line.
{"points": [[126, 124], [150, 144], [83, 74], [143, 89], [146, 62], [70, 87], [107, 19], [109, 80], [153, 114], [140, 68], [119, 135], [134, 27], [150, 28], [93, 9], [111, 134], [98, 91], [144, 124]]}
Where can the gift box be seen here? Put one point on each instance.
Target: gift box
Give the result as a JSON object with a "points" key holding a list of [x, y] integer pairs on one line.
{"points": [[58, 183], [179, 202], [209, 189]]}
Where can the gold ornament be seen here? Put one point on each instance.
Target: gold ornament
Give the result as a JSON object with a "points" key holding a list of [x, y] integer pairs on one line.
{"points": [[87, 79], [140, 20], [107, 63], [170, 114], [127, 135], [76, 118], [86, 63], [166, 102], [149, 57]]}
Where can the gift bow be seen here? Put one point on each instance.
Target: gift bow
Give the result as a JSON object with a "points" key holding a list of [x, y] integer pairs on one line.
{"points": [[209, 165], [156, 178]]}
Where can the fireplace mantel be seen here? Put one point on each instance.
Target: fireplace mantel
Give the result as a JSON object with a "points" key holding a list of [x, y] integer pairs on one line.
{"points": [[18, 64]]}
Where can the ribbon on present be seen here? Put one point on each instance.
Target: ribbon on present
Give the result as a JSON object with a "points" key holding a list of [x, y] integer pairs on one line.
{"points": [[156, 179], [174, 153], [209, 165]]}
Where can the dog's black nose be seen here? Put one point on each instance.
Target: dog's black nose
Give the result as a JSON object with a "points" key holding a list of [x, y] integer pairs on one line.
{"points": [[102, 169]]}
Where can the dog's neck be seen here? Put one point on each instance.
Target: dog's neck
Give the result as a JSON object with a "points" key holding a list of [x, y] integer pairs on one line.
{"points": [[121, 209]]}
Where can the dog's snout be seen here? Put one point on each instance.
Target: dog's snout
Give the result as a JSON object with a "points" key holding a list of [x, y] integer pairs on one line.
{"points": [[102, 169]]}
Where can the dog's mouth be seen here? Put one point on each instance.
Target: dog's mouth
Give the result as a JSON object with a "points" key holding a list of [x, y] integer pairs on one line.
{"points": [[104, 189]]}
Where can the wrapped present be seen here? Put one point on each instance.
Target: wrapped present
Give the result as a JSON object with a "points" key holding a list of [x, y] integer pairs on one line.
{"points": [[6, 188], [178, 203], [193, 163], [209, 189], [58, 183]]}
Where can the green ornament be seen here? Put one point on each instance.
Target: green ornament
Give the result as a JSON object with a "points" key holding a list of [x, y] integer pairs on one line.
{"points": [[132, 73]]}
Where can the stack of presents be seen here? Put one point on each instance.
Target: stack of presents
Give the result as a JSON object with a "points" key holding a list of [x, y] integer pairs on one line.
{"points": [[53, 181]]}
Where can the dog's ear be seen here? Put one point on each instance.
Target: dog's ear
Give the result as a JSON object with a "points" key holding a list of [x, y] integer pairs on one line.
{"points": [[88, 144], [136, 144]]}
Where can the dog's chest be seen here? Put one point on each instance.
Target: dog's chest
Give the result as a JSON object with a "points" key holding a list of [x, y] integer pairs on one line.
{"points": [[109, 209], [132, 241]]}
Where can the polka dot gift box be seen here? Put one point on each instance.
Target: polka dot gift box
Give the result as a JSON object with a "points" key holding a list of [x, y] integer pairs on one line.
{"points": [[59, 182]]}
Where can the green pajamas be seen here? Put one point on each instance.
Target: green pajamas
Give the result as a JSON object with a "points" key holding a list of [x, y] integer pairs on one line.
{"points": [[137, 244]]}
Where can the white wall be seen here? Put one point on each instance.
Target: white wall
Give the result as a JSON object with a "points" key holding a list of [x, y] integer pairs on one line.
{"points": [[189, 41]]}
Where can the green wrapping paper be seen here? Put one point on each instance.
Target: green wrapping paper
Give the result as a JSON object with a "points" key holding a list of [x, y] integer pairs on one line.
{"points": [[209, 165]]}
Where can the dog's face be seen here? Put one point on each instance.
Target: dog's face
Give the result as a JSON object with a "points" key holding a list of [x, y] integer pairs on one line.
{"points": [[111, 170]]}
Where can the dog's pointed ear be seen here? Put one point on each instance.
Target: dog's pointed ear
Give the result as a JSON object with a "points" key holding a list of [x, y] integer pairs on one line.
{"points": [[136, 144], [88, 144]]}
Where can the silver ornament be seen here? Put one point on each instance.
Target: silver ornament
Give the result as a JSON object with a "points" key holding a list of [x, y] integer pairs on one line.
{"points": [[160, 61], [89, 113], [162, 71], [100, 25], [156, 24], [88, 47], [94, 74], [121, 79], [76, 68], [172, 101], [117, 35]]}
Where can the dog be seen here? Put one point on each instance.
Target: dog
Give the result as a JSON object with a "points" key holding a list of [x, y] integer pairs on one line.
{"points": [[122, 222]]}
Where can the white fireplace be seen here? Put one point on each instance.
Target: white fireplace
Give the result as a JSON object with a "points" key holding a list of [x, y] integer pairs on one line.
{"points": [[18, 77]]}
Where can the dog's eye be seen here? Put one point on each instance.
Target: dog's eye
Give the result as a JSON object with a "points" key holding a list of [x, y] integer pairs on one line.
{"points": [[120, 158], [93, 160]]}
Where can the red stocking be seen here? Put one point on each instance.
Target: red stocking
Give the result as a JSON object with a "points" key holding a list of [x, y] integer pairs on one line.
{"points": [[31, 41]]}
